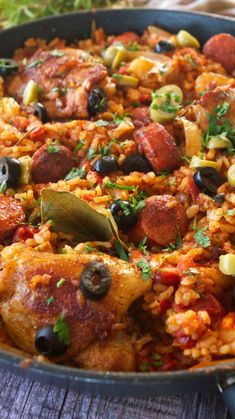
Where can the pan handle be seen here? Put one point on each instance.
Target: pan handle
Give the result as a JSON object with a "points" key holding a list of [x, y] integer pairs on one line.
{"points": [[226, 387]]}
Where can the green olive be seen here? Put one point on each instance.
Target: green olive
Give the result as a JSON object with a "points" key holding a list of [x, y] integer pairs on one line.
{"points": [[219, 142], [119, 57], [197, 162], [166, 103], [124, 80], [25, 169], [30, 94], [231, 175], [227, 264], [185, 39]]}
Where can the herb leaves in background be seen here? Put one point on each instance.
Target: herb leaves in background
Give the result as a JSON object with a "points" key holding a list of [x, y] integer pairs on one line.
{"points": [[20, 11]]}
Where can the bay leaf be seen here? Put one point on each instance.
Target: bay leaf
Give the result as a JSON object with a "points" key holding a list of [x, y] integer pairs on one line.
{"points": [[72, 215]]}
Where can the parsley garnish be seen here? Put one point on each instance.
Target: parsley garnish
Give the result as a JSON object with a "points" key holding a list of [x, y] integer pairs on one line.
{"points": [[165, 103], [3, 186], [60, 283], [191, 272], [111, 185], [91, 153], [133, 46], [75, 172], [143, 247], [188, 58], [201, 238], [118, 119], [50, 300], [89, 248], [177, 244], [121, 251], [79, 146], [145, 267], [218, 126], [157, 360], [61, 327], [52, 149], [144, 367]]}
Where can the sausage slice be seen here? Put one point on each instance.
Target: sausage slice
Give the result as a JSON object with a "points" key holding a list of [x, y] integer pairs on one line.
{"points": [[162, 220], [11, 215], [51, 163], [221, 48], [158, 146]]}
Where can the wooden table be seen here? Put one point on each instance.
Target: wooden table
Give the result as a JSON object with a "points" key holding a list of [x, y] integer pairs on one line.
{"points": [[21, 398]]}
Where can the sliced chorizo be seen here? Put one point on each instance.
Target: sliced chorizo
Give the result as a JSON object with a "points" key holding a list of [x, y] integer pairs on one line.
{"points": [[51, 163], [11, 215], [141, 116], [221, 48], [158, 146], [162, 221], [126, 38]]}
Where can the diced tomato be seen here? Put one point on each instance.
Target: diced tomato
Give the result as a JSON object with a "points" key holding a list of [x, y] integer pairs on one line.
{"points": [[24, 232], [210, 304], [193, 189], [123, 69], [126, 38], [169, 362], [164, 306], [20, 122], [167, 276], [87, 197], [37, 132]]}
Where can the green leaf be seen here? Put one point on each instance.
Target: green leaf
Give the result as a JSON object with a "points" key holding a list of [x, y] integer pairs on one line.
{"points": [[72, 215], [60, 283], [121, 251], [145, 267], [52, 148], [111, 185], [62, 329], [201, 238], [75, 172], [50, 300], [143, 247]]}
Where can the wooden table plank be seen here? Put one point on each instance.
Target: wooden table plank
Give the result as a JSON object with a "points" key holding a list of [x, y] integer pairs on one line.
{"points": [[21, 398]]}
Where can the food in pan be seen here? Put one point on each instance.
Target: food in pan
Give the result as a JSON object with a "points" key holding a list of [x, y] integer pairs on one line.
{"points": [[117, 200]]}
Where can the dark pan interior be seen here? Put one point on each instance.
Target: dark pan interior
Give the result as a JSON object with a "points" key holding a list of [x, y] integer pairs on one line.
{"points": [[72, 26]]}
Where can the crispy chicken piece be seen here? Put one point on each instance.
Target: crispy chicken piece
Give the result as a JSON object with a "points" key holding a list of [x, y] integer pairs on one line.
{"points": [[211, 102], [65, 78], [29, 278]]}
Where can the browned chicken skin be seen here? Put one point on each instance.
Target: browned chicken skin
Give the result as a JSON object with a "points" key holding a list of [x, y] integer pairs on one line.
{"points": [[30, 278], [65, 78]]}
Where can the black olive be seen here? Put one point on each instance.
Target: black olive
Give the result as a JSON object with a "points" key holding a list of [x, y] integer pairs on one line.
{"points": [[207, 179], [47, 342], [164, 46], [10, 171], [8, 66], [219, 198], [123, 215], [41, 112], [106, 165], [136, 163], [97, 101], [95, 280]]}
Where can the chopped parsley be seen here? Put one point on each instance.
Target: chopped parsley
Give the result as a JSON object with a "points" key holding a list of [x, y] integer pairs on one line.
{"points": [[157, 360], [89, 248], [135, 204], [105, 150], [118, 119], [79, 146], [219, 126], [111, 185], [76, 173], [201, 238], [52, 148], [121, 251], [133, 46], [35, 63], [57, 53], [191, 61], [144, 366], [165, 102], [177, 244], [145, 267], [143, 247], [191, 272], [61, 327], [91, 153], [60, 283], [3, 186], [50, 300]]}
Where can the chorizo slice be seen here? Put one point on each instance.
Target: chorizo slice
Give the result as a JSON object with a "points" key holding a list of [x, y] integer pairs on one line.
{"points": [[51, 163], [162, 220], [221, 48], [158, 146], [11, 215], [141, 116]]}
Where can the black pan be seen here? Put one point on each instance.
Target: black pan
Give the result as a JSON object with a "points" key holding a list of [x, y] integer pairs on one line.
{"points": [[78, 25]]}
